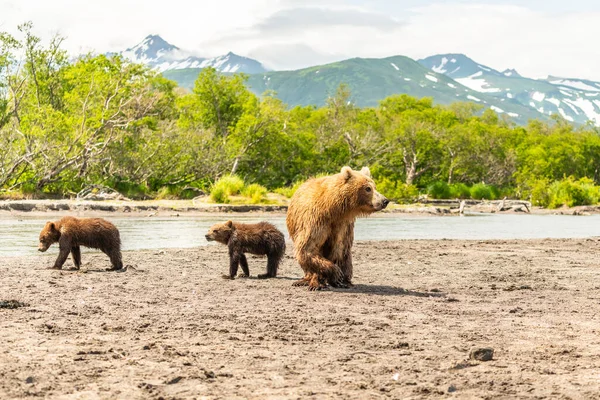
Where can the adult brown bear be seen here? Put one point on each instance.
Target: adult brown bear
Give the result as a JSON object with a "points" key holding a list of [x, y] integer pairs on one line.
{"points": [[320, 220], [70, 233]]}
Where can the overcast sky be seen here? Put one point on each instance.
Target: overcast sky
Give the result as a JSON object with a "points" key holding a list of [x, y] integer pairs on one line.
{"points": [[537, 37]]}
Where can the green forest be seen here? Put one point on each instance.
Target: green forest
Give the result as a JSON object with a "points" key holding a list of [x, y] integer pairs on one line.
{"points": [[66, 124]]}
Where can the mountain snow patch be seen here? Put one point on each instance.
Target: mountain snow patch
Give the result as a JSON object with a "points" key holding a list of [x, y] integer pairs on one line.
{"points": [[395, 66], [564, 115], [587, 107], [452, 86], [497, 109], [538, 96], [431, 78], [566, 93], [479, 85], [473, 98], [509, 95], [440, 68], [576, 84], [554, 101], [512, 114]]}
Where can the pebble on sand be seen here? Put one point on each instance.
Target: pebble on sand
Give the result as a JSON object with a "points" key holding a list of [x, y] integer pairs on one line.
{"points": [[482, 354]]}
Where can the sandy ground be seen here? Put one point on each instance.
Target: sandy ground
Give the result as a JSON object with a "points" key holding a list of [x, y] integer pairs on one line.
{"points": [[169, 327]]}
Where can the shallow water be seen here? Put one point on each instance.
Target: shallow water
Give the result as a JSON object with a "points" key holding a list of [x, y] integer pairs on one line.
{"points": [[18, 236]]}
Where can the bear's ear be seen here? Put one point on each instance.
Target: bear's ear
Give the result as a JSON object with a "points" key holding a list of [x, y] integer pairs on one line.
{"points": [[346, 173], [51, 225], [229, 224], [366, 171]]}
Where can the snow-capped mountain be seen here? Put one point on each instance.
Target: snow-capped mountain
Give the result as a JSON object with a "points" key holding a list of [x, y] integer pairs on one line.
{"points": [[576, 100], [163, 56], [506, 92]]}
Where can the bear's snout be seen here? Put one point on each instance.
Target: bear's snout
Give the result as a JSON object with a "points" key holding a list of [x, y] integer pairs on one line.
{"points": [[380, 202], [207, 236], [42, 247]]}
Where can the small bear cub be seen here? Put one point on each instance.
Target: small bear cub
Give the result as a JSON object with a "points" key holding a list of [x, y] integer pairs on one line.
{"points": [[262, 238], [70, 233]]}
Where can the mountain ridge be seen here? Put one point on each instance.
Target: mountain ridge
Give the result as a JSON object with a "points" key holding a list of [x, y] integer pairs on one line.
{"points": [[163, 56], [446, 78]]}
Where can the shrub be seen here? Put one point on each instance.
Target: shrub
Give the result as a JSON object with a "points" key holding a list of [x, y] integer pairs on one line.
{"points": [[255, 192], [290, 190], [540, 193], [481, 191], [219, 195], [460, 191], [439, 190], [226, 186], [167, 193], [572, 193], [130, 190]]}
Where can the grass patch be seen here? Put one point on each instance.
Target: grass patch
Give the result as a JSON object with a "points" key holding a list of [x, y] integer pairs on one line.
{"points": [[290, 190], [225, 187], [255, 192], [439, 190], [481, 191]]}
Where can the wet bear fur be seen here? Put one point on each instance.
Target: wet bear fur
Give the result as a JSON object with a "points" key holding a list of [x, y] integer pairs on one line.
{"points": [[71, 233], [262, 238]]}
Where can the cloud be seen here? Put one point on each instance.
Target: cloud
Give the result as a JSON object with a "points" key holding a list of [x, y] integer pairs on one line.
{"points": [[300, 19], [297, 33], [506, 36], [304, 36], [291, 56]]}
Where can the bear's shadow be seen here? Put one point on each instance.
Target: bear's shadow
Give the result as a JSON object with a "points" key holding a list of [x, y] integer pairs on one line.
{"points": [[384, 290]]}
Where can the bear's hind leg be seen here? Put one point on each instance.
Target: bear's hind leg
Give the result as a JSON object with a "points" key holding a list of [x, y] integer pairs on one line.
{"points": [[76, 254], [115, 259], [272, 264], [304, 281], [316, 283], [244, 265]]}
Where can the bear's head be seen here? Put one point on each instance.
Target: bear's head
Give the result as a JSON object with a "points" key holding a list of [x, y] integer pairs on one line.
{"points": [[360, 188], [48, 236], [220, 232]]}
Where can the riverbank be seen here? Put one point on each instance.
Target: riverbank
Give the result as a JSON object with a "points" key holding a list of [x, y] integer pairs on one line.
{"points": [[170, 327], [190, 207]]}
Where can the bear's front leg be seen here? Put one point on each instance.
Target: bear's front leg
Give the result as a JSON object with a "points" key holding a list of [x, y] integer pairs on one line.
{"points": [[234, 261], [64, 247], [346, 259], [347, 269]]}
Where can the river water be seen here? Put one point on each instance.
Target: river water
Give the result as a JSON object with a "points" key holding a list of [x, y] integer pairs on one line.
{"points": [[19, 236]]}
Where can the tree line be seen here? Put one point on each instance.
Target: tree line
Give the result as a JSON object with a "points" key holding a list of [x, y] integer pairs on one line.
{"points": [[66, 124]]}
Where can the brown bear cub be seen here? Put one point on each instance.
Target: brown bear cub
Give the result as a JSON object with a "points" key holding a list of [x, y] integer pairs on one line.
{"points": [[261, 239], [320, 220], [71, 233]]}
